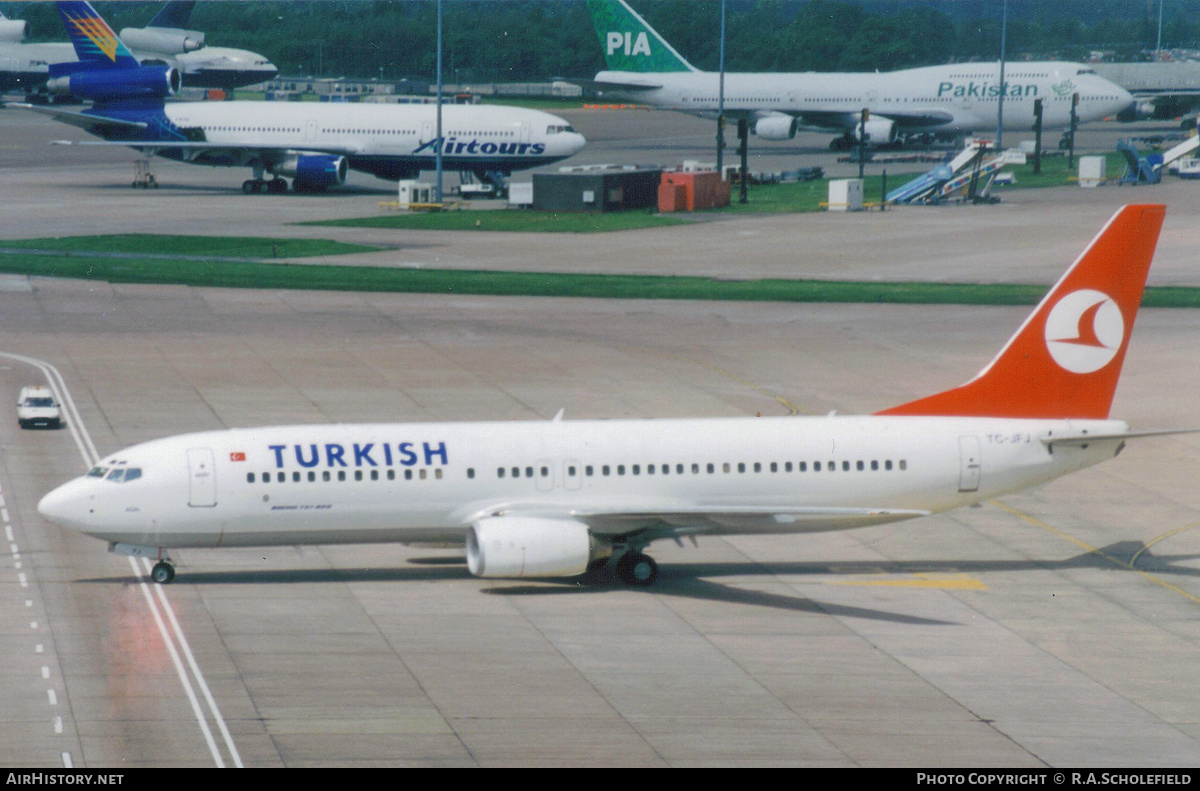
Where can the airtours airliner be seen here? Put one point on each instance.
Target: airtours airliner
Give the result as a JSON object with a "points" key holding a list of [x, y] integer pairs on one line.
{"points": [[552, 498], [313, 143]]}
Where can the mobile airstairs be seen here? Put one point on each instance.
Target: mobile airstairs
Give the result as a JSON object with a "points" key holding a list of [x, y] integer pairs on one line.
{"points": [[967, 167], [1150, 168]]}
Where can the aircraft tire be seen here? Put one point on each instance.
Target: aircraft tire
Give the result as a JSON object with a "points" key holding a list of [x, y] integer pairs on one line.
{"points": [[163, 572], [636, 569]]}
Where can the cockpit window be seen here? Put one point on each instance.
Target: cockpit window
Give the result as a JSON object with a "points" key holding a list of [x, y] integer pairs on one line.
{"points": [[555, 129], [1086, 71], [97, 472], [124, 475]]}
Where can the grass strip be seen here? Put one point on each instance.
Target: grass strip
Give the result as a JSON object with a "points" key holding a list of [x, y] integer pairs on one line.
{"points": [[238, 274], [789, 197], [221, 246]]}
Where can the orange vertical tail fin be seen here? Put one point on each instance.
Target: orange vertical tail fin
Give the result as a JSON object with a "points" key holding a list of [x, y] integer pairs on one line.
{"points": [[1065, 360]]}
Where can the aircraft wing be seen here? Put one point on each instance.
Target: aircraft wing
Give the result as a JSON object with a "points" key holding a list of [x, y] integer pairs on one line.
{"points": [[918, 118], [673, 519], [1158, 93]]}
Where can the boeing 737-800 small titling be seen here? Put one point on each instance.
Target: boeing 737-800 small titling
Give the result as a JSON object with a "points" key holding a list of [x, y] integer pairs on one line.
{"points": [[551, 498]]}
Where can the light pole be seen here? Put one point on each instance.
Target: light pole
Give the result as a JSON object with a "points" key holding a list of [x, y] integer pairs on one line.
{"points": [[721, 99], [1000, 102], [437, 149]]}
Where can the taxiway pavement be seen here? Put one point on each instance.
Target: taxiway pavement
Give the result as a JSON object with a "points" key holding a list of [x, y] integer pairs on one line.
{"points": [[1052, 628]]}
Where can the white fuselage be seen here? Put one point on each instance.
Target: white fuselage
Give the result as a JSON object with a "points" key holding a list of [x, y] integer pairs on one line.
{"points": [[956, 98], [476, 132], [28, 65], [431, 481], [389, 140]]}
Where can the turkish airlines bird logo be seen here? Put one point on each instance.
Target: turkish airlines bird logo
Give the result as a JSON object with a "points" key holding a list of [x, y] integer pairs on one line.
{"points": [[1084, 331]]}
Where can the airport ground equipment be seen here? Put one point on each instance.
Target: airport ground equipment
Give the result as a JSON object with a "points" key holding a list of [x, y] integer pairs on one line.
{"points": [[1181, 150], [963, 170], [1148, 169], [920, 188], [1188, 168], [1139, 169], [845, 195], [1092, 171]]}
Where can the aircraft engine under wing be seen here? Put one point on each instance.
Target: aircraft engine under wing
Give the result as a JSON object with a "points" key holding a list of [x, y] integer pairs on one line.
{"points": [[528, 546]]}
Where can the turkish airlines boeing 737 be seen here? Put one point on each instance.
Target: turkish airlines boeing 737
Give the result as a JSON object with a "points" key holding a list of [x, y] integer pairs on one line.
{"points": [[550, 498]]}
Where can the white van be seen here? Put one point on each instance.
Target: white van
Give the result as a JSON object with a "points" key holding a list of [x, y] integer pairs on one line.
{"points": [[36, 407]]}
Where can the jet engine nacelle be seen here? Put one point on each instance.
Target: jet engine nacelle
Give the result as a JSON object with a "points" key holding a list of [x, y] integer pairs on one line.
{"points": [[162, 40], [313, 171], [880, 131], [1137, 111], [776, 127], [526, 546], [145, 82], [13, 30]]}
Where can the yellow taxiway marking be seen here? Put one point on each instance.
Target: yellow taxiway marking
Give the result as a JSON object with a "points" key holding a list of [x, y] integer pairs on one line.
{"points": [[1115, 561], [1133, 561], [956, 582]]}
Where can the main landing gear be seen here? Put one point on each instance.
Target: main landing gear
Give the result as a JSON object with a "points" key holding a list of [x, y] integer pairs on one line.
{"points": [[636, 569], [259, 186], [627, 561]]}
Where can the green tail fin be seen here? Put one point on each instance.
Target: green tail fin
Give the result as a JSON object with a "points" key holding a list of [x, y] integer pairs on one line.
{"points": [[629, 44]]}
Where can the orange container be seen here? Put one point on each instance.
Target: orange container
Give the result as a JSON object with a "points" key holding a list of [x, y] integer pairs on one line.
{"points": [[691, 191]]}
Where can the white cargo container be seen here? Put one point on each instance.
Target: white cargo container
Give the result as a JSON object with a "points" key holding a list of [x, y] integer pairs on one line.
{"points": [[845, 195], [1091, 171]]}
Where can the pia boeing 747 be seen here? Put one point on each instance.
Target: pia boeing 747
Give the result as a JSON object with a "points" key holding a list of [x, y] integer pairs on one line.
{"points": [[910, 104], [552, 498]]}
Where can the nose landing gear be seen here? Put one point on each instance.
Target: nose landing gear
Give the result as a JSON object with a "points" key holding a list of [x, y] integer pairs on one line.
{"points": [[163, 572]]}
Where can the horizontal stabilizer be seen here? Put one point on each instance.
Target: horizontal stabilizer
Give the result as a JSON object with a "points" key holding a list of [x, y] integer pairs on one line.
{"points": [[174, 14], [617, 85], [1082, 438], [83, 120]]}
